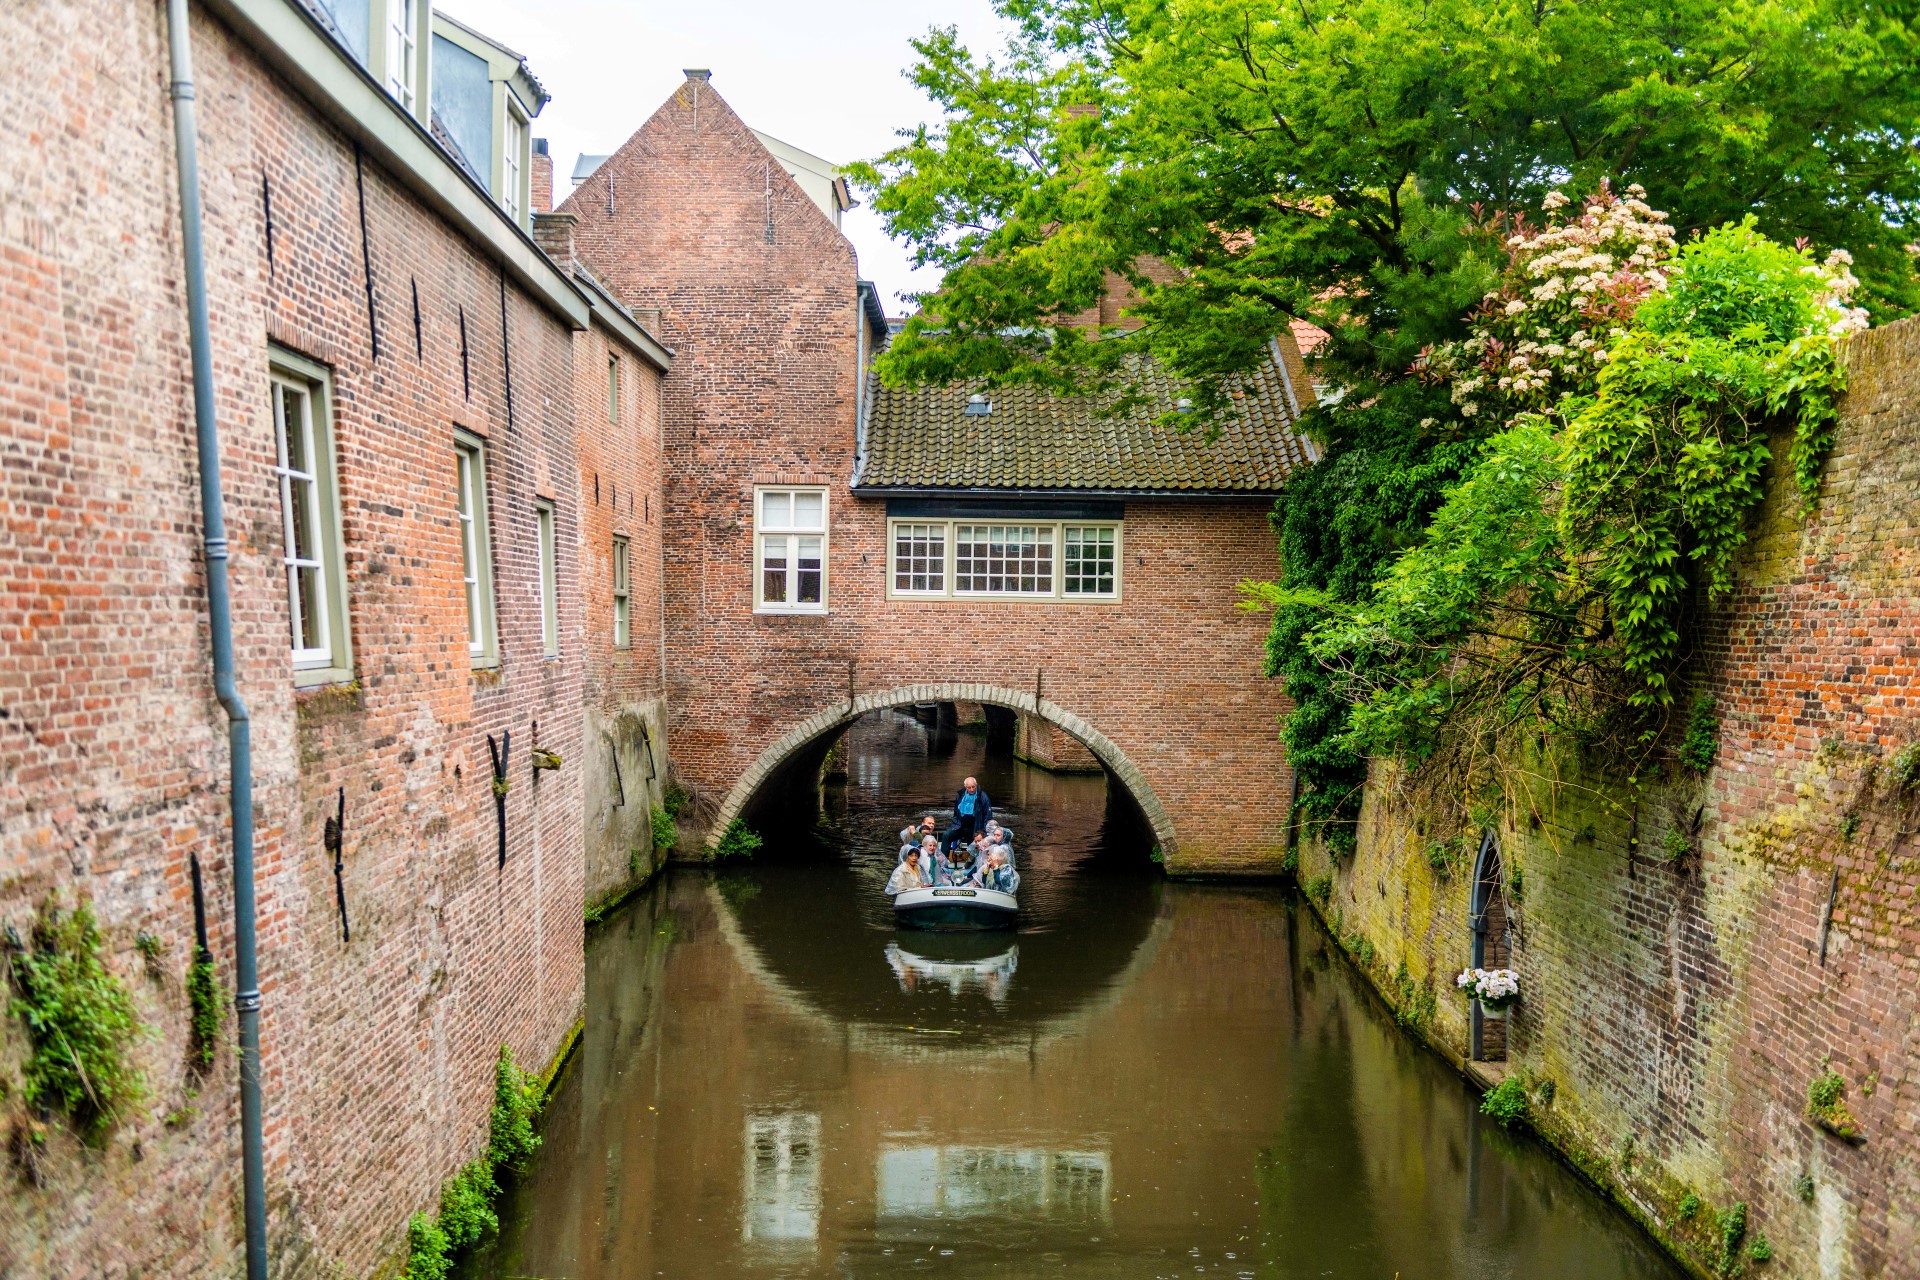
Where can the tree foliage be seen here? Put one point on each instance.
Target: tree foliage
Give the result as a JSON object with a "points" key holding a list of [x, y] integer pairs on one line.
{"points": [[1362, 165]]}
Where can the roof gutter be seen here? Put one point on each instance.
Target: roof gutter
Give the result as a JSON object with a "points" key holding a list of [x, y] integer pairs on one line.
{"points": [[1127, 495], [292, 42]]}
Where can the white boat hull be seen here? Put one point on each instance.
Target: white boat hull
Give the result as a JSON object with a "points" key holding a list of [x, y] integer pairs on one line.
{"points": [[956, 908]]}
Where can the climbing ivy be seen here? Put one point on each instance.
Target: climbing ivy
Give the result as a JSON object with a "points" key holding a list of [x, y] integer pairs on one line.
{"points": [[466, 1213], [80, 1021], [1597, 461]]}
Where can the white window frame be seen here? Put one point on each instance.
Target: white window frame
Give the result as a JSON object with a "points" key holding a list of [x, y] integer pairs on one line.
{"points": [[549, 579], [476, 547], [948, 527], [403, 52], [622, 592], [515, 142], [301, 400], [763, 533]]}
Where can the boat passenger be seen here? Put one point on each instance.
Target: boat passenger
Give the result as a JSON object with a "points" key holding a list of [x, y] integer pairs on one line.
{"points": [[910, 834], [995, 873], [909, 874], [956, 867], [971, 811]]}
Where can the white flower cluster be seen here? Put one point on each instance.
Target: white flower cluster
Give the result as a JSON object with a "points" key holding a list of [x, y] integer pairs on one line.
{"points": [[1837, 274], [1572, 288], [1496, 986]]}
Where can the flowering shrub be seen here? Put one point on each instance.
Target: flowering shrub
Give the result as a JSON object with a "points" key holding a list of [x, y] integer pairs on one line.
{"points": [[1493, 988], [1570, 289], [1634, 387]]}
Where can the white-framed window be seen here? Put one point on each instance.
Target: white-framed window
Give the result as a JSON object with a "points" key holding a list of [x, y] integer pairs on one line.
{"points": [[513, 164], [311, 555], [403, 46], [622, 595], [476, 547], [1004, 559], [549, 581], [613, 388], [790, 540]]}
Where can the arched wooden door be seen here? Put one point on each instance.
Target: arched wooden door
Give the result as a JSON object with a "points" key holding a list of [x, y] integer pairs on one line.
{"points": [[1491, 950]]}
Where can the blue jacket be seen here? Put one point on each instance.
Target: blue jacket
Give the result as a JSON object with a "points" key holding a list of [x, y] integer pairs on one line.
{"points": [[982, 808]]}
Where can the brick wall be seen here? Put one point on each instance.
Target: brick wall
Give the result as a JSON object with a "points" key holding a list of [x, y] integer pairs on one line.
{"points": [[757, 295], [378, 1054], [1682, 1009]]}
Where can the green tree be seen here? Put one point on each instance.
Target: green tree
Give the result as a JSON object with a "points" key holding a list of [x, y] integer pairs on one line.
{"points": [[1360, 164]]}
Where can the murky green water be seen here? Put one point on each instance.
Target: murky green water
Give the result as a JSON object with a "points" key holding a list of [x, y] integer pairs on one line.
{"points": [[1147, 1079]]}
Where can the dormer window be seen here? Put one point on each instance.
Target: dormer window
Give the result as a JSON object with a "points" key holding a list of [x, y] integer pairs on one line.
{"points": [[484, 104], [403, 46]]}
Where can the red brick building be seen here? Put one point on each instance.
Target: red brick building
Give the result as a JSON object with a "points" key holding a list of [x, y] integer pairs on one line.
{"points": [[421, 461], [834, 546]]}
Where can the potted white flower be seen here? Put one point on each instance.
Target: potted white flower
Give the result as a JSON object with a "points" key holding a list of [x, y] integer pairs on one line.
{"points": [[1496, 989]]}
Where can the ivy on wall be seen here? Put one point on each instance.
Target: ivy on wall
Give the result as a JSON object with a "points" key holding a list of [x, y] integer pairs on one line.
{"points": [[1602, 448]]}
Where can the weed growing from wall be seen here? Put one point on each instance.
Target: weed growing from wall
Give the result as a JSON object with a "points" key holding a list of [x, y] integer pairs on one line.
{"points": [[466, 1213], [1414, 1004], [740, 841], [1803, 1187], [1827, 1107], [1701, 743], [205, 1003], [666, 833], [1506, 1102], [1320, 888], [1733, 1232], [80, 1021]]}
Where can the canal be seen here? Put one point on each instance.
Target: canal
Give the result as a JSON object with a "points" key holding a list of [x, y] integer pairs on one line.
{"points": [[1146, 1079]]}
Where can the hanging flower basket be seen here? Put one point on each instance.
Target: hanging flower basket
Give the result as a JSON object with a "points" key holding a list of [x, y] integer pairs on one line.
{"points": [[1497, 990]]}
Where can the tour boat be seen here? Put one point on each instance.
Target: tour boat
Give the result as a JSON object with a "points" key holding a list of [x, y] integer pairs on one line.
{"points": [[947, 907]]}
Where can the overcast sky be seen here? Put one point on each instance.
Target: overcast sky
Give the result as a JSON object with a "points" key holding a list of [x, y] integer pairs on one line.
{"points": [[824, 75]]}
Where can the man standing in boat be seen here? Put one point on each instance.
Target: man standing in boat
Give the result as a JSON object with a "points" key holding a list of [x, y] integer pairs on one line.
{"points": [[971, 812]]}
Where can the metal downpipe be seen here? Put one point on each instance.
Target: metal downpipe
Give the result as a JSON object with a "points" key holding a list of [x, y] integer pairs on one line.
{"points": [[220, 627]]}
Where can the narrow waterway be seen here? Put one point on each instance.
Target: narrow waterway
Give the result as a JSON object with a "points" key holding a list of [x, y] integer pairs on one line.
{"points": [[1146, 1079]]}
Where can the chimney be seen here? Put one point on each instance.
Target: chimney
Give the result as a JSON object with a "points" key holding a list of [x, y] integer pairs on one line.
{"points": [[553, 232], [542, 177], [701, 74]]}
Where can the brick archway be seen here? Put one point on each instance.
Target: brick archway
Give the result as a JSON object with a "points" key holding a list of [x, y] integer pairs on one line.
{"points": [[817, 726]]}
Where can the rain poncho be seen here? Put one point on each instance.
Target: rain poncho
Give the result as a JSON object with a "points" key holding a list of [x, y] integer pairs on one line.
{"points": [[1003, 878], [957, 867], [907, 875]]}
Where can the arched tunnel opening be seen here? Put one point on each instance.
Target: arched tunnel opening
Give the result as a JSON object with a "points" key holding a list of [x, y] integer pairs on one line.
{"points": [[851, 789]]}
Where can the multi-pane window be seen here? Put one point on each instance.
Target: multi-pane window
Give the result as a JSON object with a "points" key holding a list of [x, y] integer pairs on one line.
{"points": [[613, 388], [622, 598], [1087, 559], [309, 522], [920, 557], [513, 165], [476, 559], [1002, 559], [792, 551], [403, 43], [1024, 559], [549, 582]]}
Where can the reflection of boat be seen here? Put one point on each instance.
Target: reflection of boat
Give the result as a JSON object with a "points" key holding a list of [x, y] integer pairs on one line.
{"points": [[956, 908], [991, 975]]}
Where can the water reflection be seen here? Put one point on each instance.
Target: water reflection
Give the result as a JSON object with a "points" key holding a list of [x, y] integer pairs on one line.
{"points": [[1182, 1081], [990, 976]]}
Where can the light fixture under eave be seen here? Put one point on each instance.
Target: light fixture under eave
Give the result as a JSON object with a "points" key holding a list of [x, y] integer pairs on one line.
{"points": [[978, 406]]}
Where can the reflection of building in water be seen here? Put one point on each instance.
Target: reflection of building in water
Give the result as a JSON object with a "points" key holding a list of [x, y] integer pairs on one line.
{"points": [[1005, 1182], [781, 1194], [992, 975]]}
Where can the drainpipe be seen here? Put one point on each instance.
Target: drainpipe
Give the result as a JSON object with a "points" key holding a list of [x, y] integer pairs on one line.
{"points": [[246, 1000]]}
